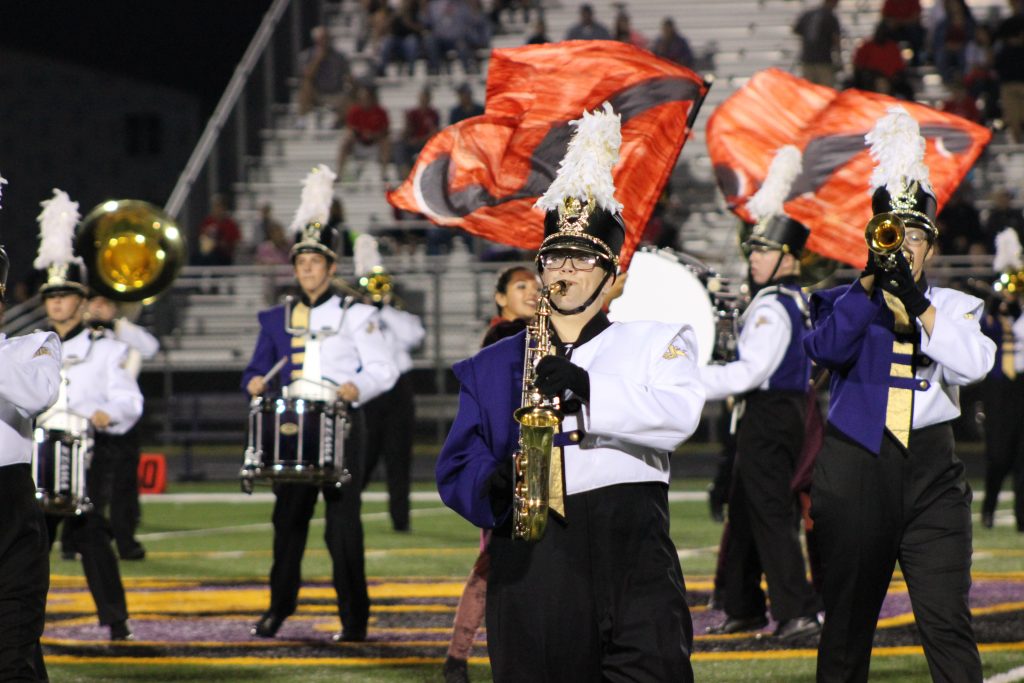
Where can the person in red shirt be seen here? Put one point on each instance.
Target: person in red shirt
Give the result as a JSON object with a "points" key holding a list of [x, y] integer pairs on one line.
{"points": [[878, 65], [903, 18], [219, 234], [366, 126], [421, 123]]}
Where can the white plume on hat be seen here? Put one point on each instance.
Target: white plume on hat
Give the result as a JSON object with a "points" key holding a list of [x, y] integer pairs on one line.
{"points": [[317, 194], [365, 255], [769, 199], [898, 150], [1008, 252], [57, 223], [3, 181], [586, 169]]}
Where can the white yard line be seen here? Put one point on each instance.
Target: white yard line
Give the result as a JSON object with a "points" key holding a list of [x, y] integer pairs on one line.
{"points": [[368, 496], [1008, 676]]}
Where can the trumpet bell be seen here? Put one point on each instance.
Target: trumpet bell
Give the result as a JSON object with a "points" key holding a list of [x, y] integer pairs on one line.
{"points": [[884, 233], [132, 250]]}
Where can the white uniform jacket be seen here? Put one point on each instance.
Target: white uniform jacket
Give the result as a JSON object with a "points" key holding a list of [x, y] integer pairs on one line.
{"points": [[404, 333], [95, 378], [29, 384], [645, 399], [358, 352]]}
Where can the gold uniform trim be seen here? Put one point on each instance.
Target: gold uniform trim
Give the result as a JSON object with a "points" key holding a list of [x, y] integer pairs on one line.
{"points": [[899, 414], [901, 370]]}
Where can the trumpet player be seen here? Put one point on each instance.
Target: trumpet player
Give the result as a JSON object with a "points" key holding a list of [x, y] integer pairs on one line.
{"points": [[601, 593], [770, 382], [888, 486]]}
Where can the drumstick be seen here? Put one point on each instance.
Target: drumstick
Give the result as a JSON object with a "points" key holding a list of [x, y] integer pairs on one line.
{"points": [[274, 370]]}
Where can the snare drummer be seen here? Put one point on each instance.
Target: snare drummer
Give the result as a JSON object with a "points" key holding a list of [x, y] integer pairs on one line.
{"points": [[98, 390], [28, 385], [770, 377], [354, 361]]}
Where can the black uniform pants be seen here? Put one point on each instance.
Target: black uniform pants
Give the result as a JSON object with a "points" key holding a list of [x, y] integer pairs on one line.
{"points": [[293, 508], [1004, 443], [91, 535], [390, 423], [599, 597], [911, 506], [124, 505], [24, 577], [764, 529]]}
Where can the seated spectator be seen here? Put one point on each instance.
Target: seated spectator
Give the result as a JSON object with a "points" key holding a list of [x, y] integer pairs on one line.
{"points": [[671, 45], [980, 79], [587, 29], [949, 42], [404, 39], [1009, 67], [453, 25], [819, 33], [499, 6], [903, 18], [878, 66], [466, 108], [275, 249], [421, 123], [538, 33], [1002, 215], [368, 17], [624, 32], [218, 236], [326, 79], [366, 127], [959, 223], [960, 102]]}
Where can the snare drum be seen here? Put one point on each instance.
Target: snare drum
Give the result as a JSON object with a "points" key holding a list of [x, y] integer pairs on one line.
{"points": [[60, 458], [666, 286], [295, 440]]}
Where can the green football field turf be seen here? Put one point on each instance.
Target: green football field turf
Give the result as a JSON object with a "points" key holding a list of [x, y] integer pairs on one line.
{"points": [[230, 541]]}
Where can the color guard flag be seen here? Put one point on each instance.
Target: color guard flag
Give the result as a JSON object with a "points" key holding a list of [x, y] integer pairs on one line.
{"points": [[484, 174], [832, 194]]}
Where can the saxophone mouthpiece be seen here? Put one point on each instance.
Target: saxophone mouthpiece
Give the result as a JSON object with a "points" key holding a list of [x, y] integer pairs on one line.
{"points": [[557, 287]]}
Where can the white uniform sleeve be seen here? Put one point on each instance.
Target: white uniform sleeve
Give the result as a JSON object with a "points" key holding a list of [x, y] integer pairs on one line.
{"points": [[136, 337], [406, 327], [377, 371], [761, 347], [659, 406], [30, 379], [957, 343], [122, 398]]}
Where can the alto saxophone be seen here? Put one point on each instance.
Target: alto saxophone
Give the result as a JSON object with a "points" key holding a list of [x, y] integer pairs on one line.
{"points": [[538, 419]]}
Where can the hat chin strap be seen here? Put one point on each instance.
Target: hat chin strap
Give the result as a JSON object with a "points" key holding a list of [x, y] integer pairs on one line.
{"points": [[586, 304]]}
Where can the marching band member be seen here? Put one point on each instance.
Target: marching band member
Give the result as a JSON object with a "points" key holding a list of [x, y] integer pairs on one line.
{"points": [[887, 485], [1003, 389], [97, 386], [354, 358], [124, 508], [391, 417], [602, 591], [29, 384], [770, 377]]}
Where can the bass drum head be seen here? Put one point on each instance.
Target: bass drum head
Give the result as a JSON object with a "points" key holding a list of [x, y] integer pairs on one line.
{"points": [[662, 289]]}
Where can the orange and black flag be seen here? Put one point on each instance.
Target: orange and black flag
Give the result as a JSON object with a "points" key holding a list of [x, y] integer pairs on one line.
{"points": [[832, 195], [485, 173]]}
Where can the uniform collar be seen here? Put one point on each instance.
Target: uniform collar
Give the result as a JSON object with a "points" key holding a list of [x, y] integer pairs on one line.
{"points": [[304, 298], [72, 333], [595, 326]]}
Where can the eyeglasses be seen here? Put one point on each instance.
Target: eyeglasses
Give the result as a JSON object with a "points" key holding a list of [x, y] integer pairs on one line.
{"points": [[581, 262], [915, 237]]}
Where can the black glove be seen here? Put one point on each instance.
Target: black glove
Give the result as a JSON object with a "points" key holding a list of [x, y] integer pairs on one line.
{"points": [[900, 283], [499, 489], [871, 268], [555, 374]]}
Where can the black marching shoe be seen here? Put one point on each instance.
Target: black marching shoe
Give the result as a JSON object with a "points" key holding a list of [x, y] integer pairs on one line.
{"points": [[350, 635], [987, 519], [738, 625], [136, 552], [120, 630], [267, 626], [792, 629], [455, 670]]}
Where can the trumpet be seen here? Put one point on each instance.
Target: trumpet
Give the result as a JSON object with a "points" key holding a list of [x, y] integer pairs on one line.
{"points": [[884, 234], [538, 418]]}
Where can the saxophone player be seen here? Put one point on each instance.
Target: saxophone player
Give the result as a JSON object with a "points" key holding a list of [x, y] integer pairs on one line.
{"points": [[602, 590]]}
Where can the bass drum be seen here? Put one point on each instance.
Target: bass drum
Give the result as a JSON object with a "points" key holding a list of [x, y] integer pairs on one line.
{"points": [[665, 286]]}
